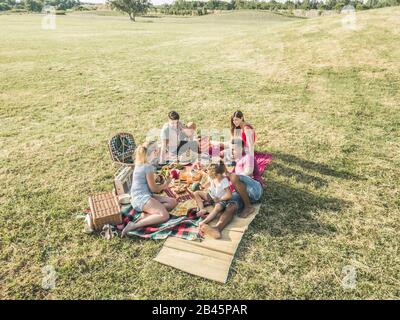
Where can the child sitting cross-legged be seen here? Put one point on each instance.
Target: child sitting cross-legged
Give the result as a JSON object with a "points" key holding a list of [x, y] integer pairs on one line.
{"points": [[217, 193]]}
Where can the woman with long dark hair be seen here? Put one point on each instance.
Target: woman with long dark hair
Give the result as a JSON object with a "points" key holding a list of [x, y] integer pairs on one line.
{"points": [[243, 130]]}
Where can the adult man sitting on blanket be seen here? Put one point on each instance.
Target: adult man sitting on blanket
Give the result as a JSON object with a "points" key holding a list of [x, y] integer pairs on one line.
{"points": [[247, 182], [245, 178], [175, 138]]}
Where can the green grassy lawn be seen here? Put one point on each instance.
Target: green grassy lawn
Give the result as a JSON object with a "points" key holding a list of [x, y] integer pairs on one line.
{"points": [[324, 100]]}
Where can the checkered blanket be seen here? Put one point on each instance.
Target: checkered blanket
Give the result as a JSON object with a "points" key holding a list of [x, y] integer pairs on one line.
{"points": [[180, 198], [185, 227]]}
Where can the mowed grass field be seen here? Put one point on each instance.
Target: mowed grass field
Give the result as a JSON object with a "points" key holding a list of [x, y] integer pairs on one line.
{"points": [[324, 101]]}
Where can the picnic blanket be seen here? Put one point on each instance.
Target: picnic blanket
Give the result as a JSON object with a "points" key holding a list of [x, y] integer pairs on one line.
{"points": [[183, 222], [210, 258], [262, 159], [185, 227], [179, 197]]}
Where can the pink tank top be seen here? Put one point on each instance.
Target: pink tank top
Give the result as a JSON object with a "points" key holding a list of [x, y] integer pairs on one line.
{"points": [[244, 138]]}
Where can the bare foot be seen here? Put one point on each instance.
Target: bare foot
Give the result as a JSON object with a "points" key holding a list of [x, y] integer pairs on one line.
{"points": [[202, 213], [212, 232], [130, 226], [247, 211]]}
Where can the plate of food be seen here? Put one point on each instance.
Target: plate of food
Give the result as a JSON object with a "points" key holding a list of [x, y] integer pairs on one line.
{"points": [[191, 176], [179, 189], [174, 165], [197, 175], [160, 178], [183, 176], [182, 208]]}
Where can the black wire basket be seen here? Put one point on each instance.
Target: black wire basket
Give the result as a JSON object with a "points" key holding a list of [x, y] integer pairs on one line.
{"points": [[122, 147]]}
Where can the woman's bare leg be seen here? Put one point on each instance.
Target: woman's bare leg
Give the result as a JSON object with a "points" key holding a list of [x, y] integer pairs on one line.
{"points": [[168, 202], [155, 213]]}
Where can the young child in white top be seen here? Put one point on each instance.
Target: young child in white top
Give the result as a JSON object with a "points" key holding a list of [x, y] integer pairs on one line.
{"points": [[216, 191]]}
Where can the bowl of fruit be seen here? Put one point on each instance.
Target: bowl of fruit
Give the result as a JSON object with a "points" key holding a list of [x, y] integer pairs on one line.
{"points": [[160, 178]]}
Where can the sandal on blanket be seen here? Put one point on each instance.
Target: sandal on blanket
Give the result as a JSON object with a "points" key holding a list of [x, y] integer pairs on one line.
{"points": [[108, 232]]}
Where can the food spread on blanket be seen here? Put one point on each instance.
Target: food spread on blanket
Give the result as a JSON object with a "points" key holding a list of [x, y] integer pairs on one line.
{"points": [[185, 180], [179, 172], [174, 165], [190, 176], [195, 186], [182, 208], [160, 178], [179, 189], [170, 170]]}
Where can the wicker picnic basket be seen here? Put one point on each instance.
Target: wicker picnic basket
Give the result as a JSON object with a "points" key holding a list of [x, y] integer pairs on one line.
{"points": [[104, 209], [123, 180], [122, 147]]}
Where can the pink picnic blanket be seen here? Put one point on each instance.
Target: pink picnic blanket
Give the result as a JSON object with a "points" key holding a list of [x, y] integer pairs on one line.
{"points": [[262, 159]]}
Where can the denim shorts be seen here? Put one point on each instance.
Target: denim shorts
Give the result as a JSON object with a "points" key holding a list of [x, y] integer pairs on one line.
{"points": [[223, 203], [210, 201], [237, 200], [138, 201], [254, 190]]}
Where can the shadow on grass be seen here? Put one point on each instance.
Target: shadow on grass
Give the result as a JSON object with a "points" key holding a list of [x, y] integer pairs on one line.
{"points": [[298, 175], [290, 209], [321, 168]]}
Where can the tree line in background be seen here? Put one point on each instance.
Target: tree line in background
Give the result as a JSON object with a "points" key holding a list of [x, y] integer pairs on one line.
{"points": [[184, 7], [37, 5]]}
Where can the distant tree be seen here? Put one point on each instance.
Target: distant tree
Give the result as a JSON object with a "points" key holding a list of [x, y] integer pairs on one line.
{"points": [[132, 7], [62, 4], [359, 6], [339, 6], [33, 5], [4, 6], [238, 4]]}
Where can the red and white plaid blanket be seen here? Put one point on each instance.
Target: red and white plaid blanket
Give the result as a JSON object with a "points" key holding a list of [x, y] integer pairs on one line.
{"points": [[185, 227]]}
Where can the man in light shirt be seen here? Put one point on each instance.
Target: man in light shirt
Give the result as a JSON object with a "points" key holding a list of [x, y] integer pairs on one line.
{"points": [[174, 136]]}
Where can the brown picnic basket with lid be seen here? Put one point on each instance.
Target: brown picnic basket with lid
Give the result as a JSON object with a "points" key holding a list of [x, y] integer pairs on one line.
{"points": [[104, 209]]}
